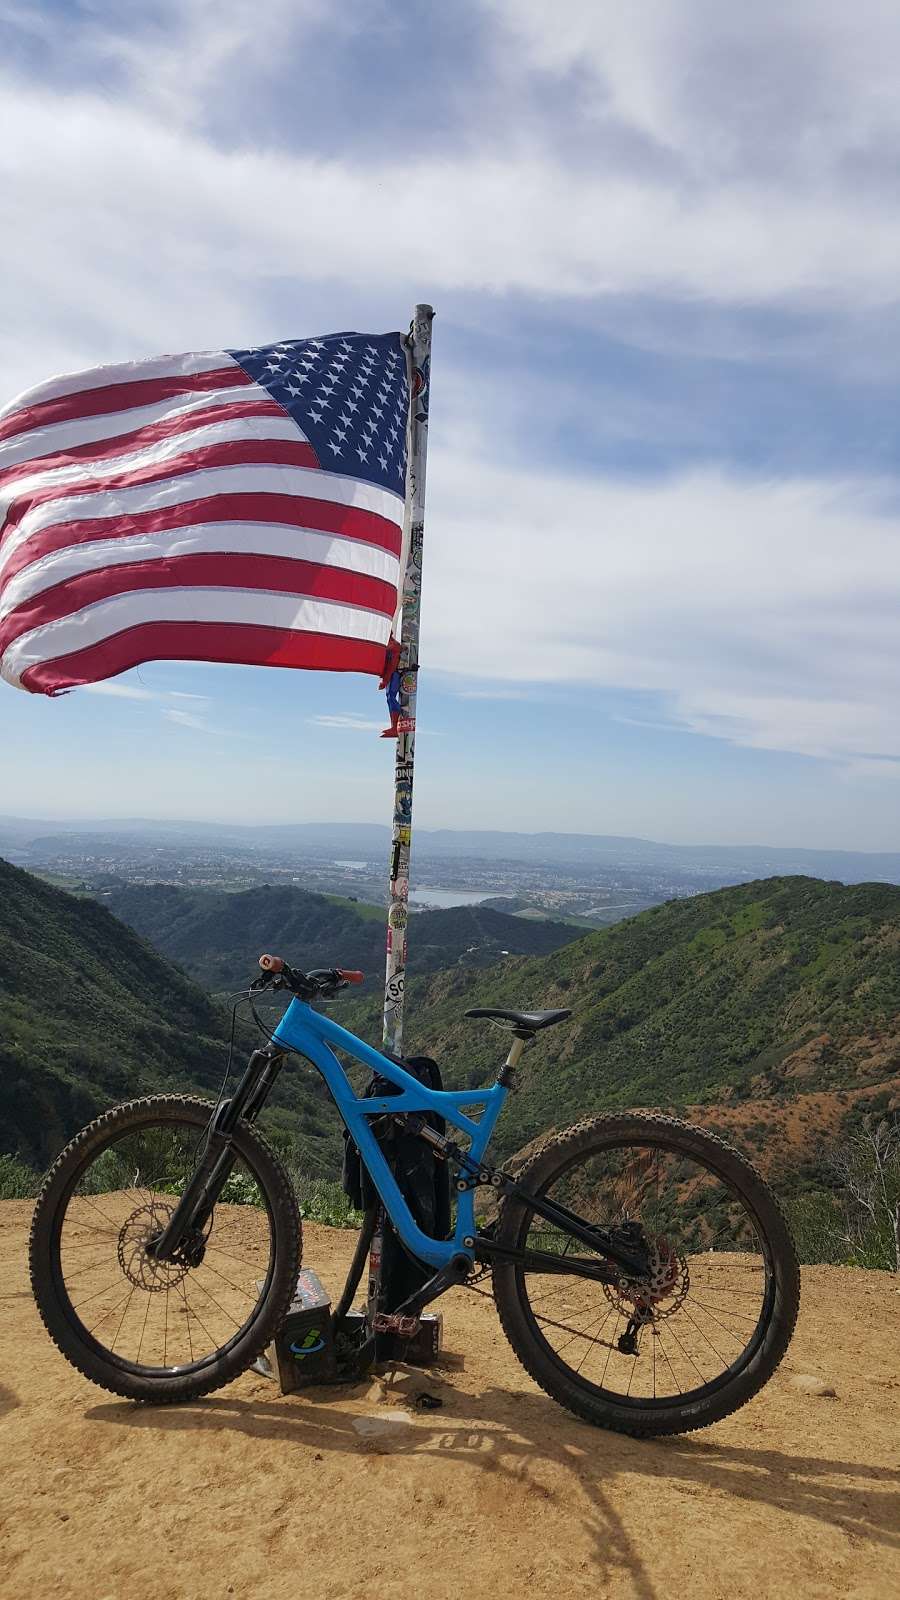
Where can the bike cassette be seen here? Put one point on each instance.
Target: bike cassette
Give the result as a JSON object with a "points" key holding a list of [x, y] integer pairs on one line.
{"points": [[667, 1280]]}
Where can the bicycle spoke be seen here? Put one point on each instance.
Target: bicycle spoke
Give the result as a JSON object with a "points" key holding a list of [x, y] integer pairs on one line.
{"points": [[122, 1199], [705, 1247]]}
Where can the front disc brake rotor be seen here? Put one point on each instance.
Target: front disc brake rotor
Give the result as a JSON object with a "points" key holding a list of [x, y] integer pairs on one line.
{"points": [[139, 1266]]}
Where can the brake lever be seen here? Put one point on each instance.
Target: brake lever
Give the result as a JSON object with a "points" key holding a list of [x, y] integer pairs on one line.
{"points": [[267, 980]]}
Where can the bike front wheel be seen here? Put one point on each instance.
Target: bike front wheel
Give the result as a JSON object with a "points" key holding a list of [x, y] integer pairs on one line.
{"points": [[161, 1330], [708, 1325]]}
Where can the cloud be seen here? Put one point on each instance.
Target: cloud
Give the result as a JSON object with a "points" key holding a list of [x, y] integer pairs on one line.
{"points": [[175, 237], [640, 156], [133, 691], [119, 691], [760, 613], [718, 92], [347, 724], [189, 719], [494, 693]]}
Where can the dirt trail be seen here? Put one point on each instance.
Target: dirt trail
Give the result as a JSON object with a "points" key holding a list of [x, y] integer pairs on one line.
{"points": [[249, 1493]]}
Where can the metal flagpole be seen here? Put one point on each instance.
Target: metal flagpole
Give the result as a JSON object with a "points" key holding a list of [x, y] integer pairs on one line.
{"points": [[419, 348]]}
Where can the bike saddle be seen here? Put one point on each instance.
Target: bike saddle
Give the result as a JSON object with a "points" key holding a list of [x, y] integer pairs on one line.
{"points": [[528, 1021]]}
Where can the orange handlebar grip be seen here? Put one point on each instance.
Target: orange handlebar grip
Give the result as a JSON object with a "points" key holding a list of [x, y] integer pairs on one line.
{"points": [[271, 963], [351, 977]]}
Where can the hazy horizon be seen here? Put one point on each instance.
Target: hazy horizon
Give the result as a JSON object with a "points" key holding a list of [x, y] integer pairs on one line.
{"points": [[91, 821]]}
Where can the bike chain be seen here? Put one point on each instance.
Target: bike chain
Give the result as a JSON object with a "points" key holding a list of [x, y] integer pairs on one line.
{"points": [[547, 1321]]}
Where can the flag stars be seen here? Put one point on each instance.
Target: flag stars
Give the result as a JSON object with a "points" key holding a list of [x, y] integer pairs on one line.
{"points": [[347, 394]]}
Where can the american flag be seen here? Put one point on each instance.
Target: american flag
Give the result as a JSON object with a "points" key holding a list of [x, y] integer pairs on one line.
{"points": [[240, 505]]}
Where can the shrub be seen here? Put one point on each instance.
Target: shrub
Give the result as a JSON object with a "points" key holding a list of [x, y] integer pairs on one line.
{"points": [[17, 1182]]}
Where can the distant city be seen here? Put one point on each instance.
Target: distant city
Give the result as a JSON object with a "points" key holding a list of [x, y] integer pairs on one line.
{"points": [[597, 879]]}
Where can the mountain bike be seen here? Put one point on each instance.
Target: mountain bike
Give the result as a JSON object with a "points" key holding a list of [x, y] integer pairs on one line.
{"points": [[642, 1269]]}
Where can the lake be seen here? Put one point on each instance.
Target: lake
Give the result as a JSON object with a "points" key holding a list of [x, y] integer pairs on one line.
{"points": [[445, 898]]}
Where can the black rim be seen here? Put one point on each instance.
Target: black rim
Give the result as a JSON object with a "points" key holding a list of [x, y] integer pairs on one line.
{"points": [[657, 1348], [124, 1292]]}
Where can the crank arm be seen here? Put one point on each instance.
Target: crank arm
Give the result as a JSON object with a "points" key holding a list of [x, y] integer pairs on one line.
{"points": [[455, 1272]]}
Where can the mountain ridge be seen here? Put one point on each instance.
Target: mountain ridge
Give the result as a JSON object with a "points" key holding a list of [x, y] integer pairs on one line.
{"points": [[216, 935], [550, 846]]}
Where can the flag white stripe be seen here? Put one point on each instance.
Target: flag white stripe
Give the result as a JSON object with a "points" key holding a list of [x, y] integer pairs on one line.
{"points": [[60, 436], [92, 624], [123, 372], [307, 482], [159, 453], [230, 538]]}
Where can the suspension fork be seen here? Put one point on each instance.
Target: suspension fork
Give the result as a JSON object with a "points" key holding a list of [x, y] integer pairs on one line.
{"points": [[217, 1162]]}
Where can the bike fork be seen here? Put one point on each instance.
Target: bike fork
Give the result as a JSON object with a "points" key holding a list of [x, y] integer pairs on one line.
{"points": [[209, 1178]]}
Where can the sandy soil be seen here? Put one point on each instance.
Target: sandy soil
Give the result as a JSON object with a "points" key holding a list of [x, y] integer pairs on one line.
{"points": [[251, 1493]]}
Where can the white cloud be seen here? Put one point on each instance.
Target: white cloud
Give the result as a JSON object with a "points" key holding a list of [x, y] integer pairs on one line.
{"points": [[706, 153], [133, 691], [119, 691], [721, 89], [189, 719], [349, 723], [762, 613], [172, 240]]}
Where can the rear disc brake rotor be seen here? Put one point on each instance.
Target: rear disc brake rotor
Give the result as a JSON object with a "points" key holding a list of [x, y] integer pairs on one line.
{"points": [[661, 1293]]}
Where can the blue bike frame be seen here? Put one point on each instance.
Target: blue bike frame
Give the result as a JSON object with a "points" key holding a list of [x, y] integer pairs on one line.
{"points": [[310, 1034]]}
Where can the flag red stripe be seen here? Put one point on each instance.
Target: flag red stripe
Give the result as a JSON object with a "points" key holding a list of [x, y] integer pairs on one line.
{"points": [[278, 574], [244, 644], [139, 438], [113, 397], [288, 510], [230, 453]]}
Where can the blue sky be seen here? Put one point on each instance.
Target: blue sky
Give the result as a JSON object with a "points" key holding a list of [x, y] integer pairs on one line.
{"points": [[662, 564]]}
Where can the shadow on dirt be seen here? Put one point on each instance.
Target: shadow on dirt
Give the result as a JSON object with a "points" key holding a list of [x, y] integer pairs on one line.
{"points": [[8, 1400], [510, 1434]]}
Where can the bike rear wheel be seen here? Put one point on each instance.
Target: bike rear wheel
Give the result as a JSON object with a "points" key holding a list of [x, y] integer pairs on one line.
{"points": [[709, 1325], [159, 1330]]}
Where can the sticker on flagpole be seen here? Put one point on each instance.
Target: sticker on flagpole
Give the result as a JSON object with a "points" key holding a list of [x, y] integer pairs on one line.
{"points": [[403, 802], [406, 725], [393, 992], [398, 916]]}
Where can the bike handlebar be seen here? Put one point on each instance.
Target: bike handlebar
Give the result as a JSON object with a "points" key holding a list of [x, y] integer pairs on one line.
{"points": [[321, 981]]}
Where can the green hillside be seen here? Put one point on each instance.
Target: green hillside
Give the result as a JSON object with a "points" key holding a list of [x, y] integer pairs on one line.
{"points": [[772, 1010], [90, 1015], [760, 993], [217, 935]]}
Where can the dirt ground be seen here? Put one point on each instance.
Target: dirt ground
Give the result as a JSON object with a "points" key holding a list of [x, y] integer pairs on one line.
{"points": [[251, 1493]]}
